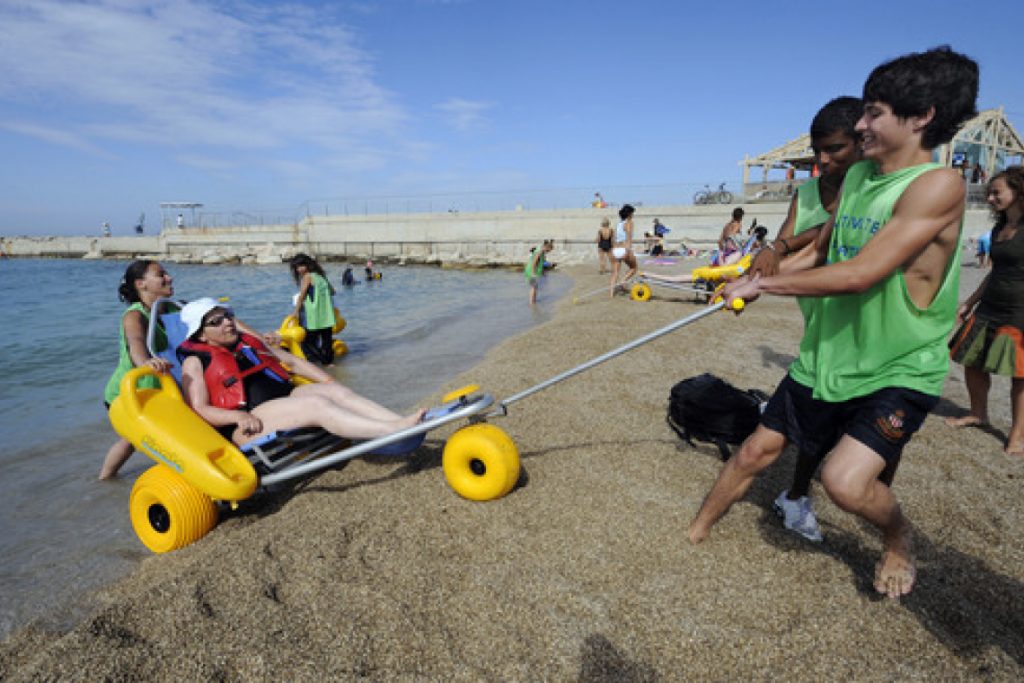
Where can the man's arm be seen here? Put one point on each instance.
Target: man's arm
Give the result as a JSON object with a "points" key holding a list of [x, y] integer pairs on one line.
{"points": [[930, 205]]}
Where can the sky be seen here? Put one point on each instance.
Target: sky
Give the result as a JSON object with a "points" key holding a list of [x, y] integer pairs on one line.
{"points": [[278, 109]]}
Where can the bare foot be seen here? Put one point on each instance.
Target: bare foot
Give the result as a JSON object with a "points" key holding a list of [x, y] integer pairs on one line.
{"points": [[895, 572], [697, 533], [966, 421], [413, 419], [1014, 449]]}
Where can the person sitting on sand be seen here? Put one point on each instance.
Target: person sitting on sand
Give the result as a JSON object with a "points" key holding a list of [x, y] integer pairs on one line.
{"points": [[241, 386], [731, 238], [990, 337], [889, 259]]}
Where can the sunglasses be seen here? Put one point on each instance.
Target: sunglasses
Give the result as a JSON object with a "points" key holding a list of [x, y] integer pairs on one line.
{"points": [[218, 319]]}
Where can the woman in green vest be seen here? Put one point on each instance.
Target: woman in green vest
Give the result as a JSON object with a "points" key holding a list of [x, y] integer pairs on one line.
{"points": [[314, 300], [143, 283]]}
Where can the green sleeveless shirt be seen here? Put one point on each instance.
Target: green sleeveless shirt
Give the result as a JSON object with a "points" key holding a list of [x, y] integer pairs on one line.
{"points": [[318, 307], [809, 213], [535, 271], [878, 338], [124, 361]]}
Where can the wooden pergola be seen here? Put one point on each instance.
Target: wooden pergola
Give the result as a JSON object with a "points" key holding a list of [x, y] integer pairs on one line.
{"points": [[989, 139]]}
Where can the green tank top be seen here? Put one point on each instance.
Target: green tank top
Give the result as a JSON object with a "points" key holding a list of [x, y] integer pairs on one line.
{"points": [[809, 213], [124, 361], [318, 307], [878, 338], [535, 271]]}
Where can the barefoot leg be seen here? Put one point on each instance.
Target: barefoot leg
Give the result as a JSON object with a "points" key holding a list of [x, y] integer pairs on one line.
{"points": [[850, 477], [895, 572], [115, 458], [978, 382], [1015, 442], [965, 421], [758, 451]]}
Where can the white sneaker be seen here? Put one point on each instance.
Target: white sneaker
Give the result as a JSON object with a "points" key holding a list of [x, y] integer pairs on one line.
{"points": [[797, 516]]}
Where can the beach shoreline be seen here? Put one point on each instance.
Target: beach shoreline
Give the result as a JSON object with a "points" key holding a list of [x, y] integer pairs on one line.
{"points": [[583, 571]]}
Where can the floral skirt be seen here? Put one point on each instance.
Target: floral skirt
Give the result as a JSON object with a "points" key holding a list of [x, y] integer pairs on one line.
{"points": [[995, 349]]}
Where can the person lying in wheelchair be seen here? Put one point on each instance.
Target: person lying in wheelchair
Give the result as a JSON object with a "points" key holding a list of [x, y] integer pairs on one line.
{"points": [[244, 388]]}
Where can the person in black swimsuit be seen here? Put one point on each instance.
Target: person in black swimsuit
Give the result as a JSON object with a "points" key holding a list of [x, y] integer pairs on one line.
{"points": [[269, 405], [991, 338], [604, 246]]}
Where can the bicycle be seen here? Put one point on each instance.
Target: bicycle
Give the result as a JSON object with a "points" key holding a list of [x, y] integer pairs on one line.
{"points": [[709, 196]]}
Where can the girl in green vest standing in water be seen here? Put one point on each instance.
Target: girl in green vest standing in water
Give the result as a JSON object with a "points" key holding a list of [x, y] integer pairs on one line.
{"points": [[143, 283], [314, 299]]}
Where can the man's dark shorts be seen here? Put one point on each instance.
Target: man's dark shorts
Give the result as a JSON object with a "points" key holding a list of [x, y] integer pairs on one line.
{"points": [[809, 423], [883, 421]]}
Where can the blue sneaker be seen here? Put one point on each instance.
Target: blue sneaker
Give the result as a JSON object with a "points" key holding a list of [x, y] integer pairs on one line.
{"points": [[797, 516]]}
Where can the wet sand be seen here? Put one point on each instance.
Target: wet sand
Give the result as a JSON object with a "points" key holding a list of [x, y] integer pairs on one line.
{"points": [[583, 572]]}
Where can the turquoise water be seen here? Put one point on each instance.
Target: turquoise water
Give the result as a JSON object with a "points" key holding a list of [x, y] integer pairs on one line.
{"points": [[64, 532]]}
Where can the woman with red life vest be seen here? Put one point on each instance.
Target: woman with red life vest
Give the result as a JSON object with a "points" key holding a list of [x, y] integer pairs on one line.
{"points": [[241, 386]]}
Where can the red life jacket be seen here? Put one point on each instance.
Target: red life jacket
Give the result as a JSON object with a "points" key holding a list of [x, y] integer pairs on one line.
{"points": [[224, 379]]}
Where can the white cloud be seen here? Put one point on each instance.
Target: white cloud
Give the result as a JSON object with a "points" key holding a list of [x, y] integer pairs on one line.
{"points": [[465, 115], [184, 73], [54, 137]]}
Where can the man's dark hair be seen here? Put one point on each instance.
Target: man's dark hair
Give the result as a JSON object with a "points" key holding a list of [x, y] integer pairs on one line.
{"points": [[626, 211], [737, 213], [838, 116], [914, 83]]}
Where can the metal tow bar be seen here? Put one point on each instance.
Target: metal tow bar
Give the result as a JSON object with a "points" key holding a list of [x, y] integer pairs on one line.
{"points": [[502, 408]]}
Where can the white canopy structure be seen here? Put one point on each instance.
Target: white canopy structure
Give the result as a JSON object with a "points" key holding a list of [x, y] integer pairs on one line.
{"points": [[170, 210]]}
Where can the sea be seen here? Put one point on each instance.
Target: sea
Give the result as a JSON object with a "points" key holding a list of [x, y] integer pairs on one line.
{"points": [[63, 533]]}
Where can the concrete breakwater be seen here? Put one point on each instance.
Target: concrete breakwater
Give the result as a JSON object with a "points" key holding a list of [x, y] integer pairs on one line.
{"points": [[484, 239]]}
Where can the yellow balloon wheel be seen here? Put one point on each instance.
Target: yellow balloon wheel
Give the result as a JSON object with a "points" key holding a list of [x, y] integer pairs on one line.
{"points": [[340, 347], [481, 462], [167, 512], [640, 292]]}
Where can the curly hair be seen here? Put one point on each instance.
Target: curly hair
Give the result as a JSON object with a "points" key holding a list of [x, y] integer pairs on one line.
{"points": [[1014, 179], [915, 83]]}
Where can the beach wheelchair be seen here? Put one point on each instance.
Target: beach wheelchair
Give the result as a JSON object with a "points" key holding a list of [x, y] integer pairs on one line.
{"points": [[177, 501], [706, 280]]}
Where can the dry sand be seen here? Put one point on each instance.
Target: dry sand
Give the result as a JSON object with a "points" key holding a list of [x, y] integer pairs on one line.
{"points": [[583, 572]]}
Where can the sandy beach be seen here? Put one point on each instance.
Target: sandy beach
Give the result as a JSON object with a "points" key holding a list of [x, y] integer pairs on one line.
{"points": [[583, 572]]}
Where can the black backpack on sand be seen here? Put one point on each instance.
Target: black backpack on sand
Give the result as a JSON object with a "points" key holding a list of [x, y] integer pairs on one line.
{"points": [[707, 408]]}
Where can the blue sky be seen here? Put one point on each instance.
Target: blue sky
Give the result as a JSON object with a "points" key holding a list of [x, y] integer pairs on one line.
{"points": [[108, 107]]}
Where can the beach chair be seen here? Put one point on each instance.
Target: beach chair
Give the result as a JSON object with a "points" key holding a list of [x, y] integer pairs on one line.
{"points": [[176, 502]]}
